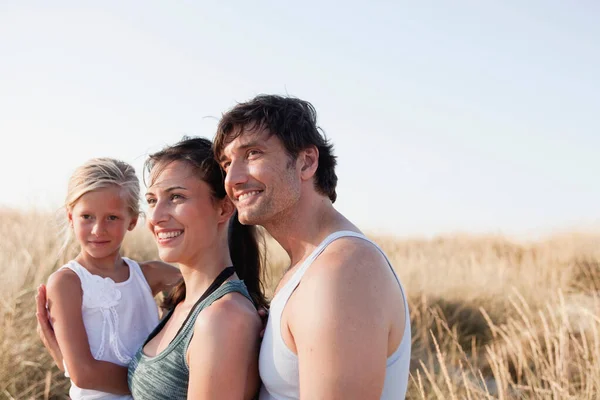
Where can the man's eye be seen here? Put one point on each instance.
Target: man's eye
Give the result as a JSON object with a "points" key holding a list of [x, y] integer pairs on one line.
{"points": [[253, 153]]}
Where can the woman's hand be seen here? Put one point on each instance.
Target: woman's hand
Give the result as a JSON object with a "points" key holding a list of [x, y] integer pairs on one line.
{"points": [[44, 328], [263, 313]]}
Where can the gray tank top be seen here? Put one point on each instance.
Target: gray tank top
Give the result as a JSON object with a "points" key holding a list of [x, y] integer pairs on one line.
{"points": [[166, 375]]}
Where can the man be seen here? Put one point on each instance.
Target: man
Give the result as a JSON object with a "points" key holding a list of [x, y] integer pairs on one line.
{"points": [[338, 326]]}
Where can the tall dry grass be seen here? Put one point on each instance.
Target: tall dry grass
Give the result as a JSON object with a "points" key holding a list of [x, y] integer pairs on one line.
{"points": [[491, 318]]}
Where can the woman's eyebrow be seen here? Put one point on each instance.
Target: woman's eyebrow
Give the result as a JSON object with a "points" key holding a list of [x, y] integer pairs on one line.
{"points": [[169, 189]]}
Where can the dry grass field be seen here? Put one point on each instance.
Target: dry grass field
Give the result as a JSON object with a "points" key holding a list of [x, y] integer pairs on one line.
{"points": [[491, 318]]}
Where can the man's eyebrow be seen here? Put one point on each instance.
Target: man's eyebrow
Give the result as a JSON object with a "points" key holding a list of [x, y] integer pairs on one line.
{"points": [[253, 143], [245, 146]]}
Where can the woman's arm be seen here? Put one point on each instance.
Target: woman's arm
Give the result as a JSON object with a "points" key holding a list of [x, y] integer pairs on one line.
{"points": [[64, 303], [223, 353], [160, 276]]}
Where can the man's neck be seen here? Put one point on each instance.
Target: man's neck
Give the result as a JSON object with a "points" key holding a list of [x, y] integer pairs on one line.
{"points": [[302, 229]]}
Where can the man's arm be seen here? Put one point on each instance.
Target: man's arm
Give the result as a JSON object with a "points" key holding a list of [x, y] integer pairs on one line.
{"points": [[341, 326], [64, 303]]}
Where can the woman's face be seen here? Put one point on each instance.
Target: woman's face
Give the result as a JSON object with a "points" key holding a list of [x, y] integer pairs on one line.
{"points": [[182, 215]]}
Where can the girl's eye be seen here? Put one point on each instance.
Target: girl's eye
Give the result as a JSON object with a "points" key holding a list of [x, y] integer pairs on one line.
{"points": [[113, 218], [86, 216]]}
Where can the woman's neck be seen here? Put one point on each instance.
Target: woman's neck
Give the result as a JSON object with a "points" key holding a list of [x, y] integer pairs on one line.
{"points": [[200, 274]]}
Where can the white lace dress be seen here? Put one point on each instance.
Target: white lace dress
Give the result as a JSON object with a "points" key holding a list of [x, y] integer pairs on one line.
{"points": [[118, 317]]}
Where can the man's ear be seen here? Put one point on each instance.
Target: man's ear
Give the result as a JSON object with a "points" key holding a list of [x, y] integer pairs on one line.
{"points": [[226, 209], [309, 162], [133, 223]]}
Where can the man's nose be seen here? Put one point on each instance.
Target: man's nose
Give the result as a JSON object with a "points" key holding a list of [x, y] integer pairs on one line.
{"points": [[237, 173]]}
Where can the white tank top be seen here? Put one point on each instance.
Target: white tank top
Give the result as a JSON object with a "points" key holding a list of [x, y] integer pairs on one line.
{"points": [[118, 317], [278, 365]]}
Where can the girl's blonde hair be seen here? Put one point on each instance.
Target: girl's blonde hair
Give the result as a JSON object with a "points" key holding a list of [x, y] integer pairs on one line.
{"points": [[100, 173]]}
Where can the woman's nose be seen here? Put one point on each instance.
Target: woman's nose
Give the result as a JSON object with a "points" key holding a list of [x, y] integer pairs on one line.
{"points": [[157, 213]]}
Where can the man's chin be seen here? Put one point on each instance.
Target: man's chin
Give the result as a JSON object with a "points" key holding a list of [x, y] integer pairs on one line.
{"points": [[246, 218]]}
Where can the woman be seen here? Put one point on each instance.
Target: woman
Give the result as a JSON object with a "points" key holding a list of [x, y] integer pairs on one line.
{"points": [[207, 344]]}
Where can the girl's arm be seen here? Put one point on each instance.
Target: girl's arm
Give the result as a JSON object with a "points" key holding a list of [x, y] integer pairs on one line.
{"points": [[45, 330], [160, 276], [64, 303], [223, 353]]}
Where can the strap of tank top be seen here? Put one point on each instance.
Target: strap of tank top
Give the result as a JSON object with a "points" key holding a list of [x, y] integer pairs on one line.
{"points": [[134, 268], [79, 270], [295, 280], [316, 252], [222, 277], [138, 275], [236, 286]]}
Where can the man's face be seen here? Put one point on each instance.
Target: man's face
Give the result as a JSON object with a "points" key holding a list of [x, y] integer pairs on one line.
{"points": [[262, 181]]}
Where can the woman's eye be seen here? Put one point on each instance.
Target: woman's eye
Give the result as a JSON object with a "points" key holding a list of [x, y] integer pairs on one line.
{"points": [[151, 201], [176, 197]]}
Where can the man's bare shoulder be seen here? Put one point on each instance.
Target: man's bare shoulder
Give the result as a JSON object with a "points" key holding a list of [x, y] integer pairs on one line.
{"points": [[350, 273], [350, 286], [349, 257]]}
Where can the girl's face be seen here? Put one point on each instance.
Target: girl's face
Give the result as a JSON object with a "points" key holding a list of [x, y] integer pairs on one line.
{"points": [[100, 220], [183, 215]]}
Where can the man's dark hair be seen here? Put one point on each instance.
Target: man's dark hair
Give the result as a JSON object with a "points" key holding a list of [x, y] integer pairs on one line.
{"points": [[293, 121]]}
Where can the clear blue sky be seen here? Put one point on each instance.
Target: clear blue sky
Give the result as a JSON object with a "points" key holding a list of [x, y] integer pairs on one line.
{"points": [[446, 116]]}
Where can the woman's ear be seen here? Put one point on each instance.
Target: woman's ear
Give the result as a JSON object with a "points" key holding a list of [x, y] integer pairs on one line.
{"points": [[226, 209]]}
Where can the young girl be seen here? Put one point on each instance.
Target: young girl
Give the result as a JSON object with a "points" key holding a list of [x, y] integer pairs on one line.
{"points": [[101, 304]]}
